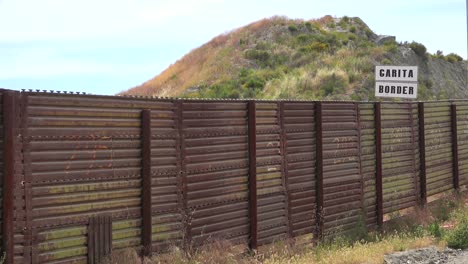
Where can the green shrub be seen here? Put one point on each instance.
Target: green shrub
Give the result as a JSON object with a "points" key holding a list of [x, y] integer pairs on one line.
{"points": [[418, 48], [226, 89], [391, 46], [254, 82], [452, 57], [303, 38], [435, 230], [458, 237], [343, 23], [359, 231], [334, 84], [418, 231], [292, 28], [442, 208], [352, 29], [315, 47], [386, 62], [308, 25], [242, 42], [439, 54], [258, 55]]}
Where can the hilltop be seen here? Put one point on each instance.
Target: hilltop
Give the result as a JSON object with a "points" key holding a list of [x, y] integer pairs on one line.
{"points": [[281, 58]]}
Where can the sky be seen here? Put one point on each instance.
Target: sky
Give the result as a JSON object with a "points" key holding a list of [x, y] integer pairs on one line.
{"points": [[108, 46]]}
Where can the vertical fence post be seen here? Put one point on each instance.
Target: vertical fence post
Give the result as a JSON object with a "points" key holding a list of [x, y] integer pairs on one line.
{"points": [[187, 214], [456, 175], [284, 167], [30, 242], [378, 162], [319, 220], [252, 137], [9, 124], [422, 155], [146, 181]]}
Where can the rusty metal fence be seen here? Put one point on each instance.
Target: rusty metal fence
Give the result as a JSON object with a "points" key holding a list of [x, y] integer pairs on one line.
{"points": [[84, 175]]}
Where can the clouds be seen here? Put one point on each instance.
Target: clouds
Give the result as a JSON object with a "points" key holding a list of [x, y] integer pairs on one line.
{"points": [[128, 39]]}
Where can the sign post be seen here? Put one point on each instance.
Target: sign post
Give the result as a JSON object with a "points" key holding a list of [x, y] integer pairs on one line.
{"points": [[396, 81]]}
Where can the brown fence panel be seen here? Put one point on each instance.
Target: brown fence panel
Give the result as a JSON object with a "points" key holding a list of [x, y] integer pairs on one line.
{"points": [[400, 156], [462, 127], [299, 128], [11, 212], [85, 158], [342, 178], [272, 198], [438, 135], [367, 128], [216, 161], [167, 214]]}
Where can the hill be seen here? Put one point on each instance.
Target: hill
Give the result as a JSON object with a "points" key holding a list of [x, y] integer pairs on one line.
{"points": [[281, 58]]}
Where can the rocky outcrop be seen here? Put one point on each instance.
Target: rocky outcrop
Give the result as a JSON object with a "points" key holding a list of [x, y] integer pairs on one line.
{"points": [[384, 38], [440, 77]]}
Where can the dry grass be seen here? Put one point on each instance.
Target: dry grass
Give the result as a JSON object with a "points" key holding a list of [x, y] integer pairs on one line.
{"points": [[357, 253], [222, 252], [398, 235]]}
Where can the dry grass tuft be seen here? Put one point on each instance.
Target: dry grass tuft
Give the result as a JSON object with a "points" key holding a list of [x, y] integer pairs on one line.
{"points": [[128, 255]]}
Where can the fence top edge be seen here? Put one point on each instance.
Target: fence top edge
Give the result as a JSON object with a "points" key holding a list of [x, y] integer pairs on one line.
{"points": [[200, 100]]}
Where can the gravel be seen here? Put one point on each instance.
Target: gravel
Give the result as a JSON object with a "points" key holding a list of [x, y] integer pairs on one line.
{"points": [[430, 255]]}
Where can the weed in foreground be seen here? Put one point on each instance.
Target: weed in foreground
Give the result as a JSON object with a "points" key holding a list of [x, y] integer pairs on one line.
{"points": [[435, 230], [458, 236], [125, 256]]}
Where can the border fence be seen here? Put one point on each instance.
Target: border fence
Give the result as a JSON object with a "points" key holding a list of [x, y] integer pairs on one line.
{"points": [[84, 175]]}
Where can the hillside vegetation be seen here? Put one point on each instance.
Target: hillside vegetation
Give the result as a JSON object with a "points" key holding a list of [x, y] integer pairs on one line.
{"points": [[281, 58]]}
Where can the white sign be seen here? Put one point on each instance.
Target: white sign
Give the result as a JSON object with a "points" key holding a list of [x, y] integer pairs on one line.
{"points": [[396, 73], [396, 89], [396, 81]]}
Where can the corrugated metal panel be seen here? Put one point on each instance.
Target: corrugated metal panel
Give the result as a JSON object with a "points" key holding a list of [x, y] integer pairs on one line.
{"points": [[272, 203], [58, 244], [167, 217], [438, 133], [367, 124], [342, 178], [462, 127], [400, 162], [299, 126], [85, 159], [216, 161]]}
